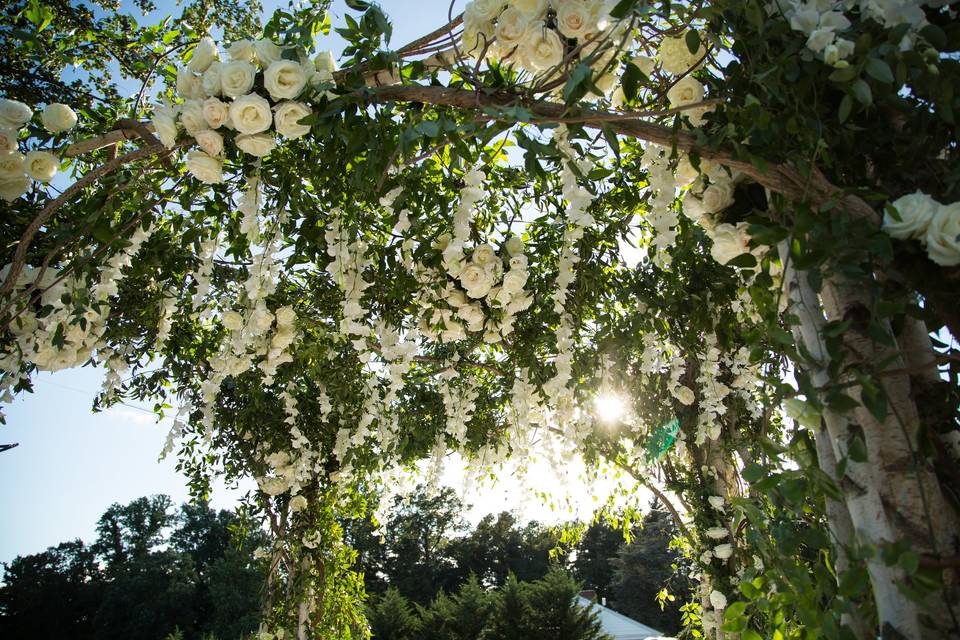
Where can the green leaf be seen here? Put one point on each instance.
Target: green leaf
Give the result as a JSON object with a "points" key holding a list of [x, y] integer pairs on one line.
{"points": [[753, 472], [750, 634], [857, 449], [623, 8], [693, 40], [630, 80], [846, 105], [879, 70], [743, 261], [861, 91], [874, 400]]}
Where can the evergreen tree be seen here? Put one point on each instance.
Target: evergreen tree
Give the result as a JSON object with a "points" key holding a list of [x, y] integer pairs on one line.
{"points": [[393, 617]]}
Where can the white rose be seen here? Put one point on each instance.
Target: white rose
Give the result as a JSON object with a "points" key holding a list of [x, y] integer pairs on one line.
{"points": [[514, 281], [284, 79], [189, 86], [675, 57], [236, 78], [484, 255], [242, 50], [215, 112], [251, 114], [518, 262], [728, 242], [191, 116], [514, 246], [14, 114], [41, 165], [916, 211], [718, 196], [542, 48], [511, 31], [532, 8], [287, 119], [687, 91], [718, 600], [13, 188], [8, 141], [819, 40], [645, 64], [717, 502], [11, 165], [722, 552], [716, 533], [456, 298], [476, 281], [325, 62], [203, 55], [943, 236], [485, 9], [210, 141], [685, 173], [166, 129], [298, 503], [211, 81], [684, 394], [477, 34], [58, 117], [470, 313], [256, 144], [204, 168], [575, 18], [268, 52]]}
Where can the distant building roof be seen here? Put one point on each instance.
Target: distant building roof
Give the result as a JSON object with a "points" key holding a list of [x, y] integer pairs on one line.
{"points": [[619, 626]]}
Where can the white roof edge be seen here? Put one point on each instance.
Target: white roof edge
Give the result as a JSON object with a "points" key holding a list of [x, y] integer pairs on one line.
{"points": [[584, 602]]}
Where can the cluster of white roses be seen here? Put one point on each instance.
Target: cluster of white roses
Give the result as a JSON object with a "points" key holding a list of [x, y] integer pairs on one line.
{"points": [[677, 59], [220, 97], [17, 169], [935, 225], [474, 292], [822, 20]]}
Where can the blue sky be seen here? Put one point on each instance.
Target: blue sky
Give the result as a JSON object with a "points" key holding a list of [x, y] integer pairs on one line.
{"points": [[71, 464]]}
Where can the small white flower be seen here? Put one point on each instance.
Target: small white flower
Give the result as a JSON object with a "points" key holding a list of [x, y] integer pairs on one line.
{"points": [[298, 503], [514, 281], [256, 144], [723, 551], [514, 246], [11, 165], [41, 165], [325, 62], [675, 56], [232, 320], [484, 255], [476, 281], [943, 236], [216, 112], [687, 91], [485, 9], [717, 196], [205, 168], [718, 600], [717, 502], [819, 40], [14, 114], [684, 394], [58, 117], [716, 533], [284, 79], [203, 55], [575, 18]]}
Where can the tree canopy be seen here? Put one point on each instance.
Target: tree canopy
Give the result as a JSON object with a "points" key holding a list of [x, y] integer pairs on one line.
{"points": [[707, 248]]}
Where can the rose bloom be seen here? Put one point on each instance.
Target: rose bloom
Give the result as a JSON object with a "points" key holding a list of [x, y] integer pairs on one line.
{"points": [[532, 8], [729, 242], [284, 79], [268, 52], [687, 91], [58, 117], [287, 119], [484, 255], [543, 48], [191, 116], [13, 188], [256, 144], [717, 196], [476, 281], [8, 141], [943, 236], [514, 280], [325, 62], [485, 9], [251, 114], [236, 78], [211, 81], [511, 30], [716, 533], [675, 57], [14, 114], [210, 141], [41, 165], [916, 210], [11, 165], [518, 262], [189, 86], [514, 246], [684, 394], [204, 168], [215, 112], [203, 55], [242, 50], [723, 551], [718, 600], [575, 18], [166, 129]]}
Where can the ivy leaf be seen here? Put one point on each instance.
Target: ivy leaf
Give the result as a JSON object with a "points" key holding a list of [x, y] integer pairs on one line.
{"points": [[874, 400], [861, 91], [846, 105], [693, 40], [623, 8], [631, 79]]}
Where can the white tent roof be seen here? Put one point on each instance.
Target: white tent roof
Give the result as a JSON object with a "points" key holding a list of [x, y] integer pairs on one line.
{"points": [[619, 626]]}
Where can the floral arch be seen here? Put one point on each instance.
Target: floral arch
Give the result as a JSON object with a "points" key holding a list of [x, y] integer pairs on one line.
{"points": [[331, 270]]}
